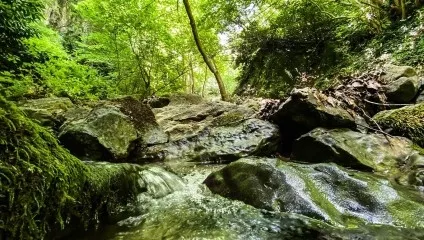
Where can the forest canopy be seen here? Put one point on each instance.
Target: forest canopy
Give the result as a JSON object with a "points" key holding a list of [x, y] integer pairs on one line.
{"points": [[92, 49]]}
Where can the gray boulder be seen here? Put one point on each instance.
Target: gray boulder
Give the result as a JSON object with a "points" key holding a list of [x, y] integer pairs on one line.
{"points": [[402, 83], [112, 130], [181, 119], [322, 191], [307, 109], [223, 143], [389, 156]]}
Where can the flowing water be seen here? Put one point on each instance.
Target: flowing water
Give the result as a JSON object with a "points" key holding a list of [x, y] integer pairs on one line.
{"points": [[181, 207]]}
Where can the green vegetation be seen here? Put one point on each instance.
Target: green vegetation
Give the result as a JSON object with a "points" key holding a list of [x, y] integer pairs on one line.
{"points": [[43, 186], [407, 121], [92, 49], [311, 42], [89, 50]]}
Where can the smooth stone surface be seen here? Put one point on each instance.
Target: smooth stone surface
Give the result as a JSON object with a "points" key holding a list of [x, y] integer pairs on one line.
{"points": [[402, 83], [322, 191], [383, 154], [218, 144], [181, 119]]}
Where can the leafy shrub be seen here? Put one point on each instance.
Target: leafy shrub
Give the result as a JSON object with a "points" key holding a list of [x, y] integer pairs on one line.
{"points": [[59, 73], [15, 19]]}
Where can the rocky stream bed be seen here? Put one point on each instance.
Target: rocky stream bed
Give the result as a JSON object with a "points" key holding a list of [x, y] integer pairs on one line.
{"points": [[309, 169]]}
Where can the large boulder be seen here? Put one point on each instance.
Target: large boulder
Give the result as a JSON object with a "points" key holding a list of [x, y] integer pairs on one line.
{"points": [[182, 119], [112, 130], [407, 121], [223, 143], [307, 109], [402, 83], [49, 112], [321, 191], [390, 156]]}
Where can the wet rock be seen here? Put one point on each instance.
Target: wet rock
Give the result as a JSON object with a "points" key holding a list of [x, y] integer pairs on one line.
{"points": [[322, 191], [49, 112], [182, 120], [112, 130], [402, 83], [384, 154], [223, 143], [407, 122], [307, 109]]}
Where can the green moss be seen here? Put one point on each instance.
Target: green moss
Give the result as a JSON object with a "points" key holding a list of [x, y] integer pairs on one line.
{"points": [[418, 148], [42, 186], [228, 119], [407, 121], [407, 212]]}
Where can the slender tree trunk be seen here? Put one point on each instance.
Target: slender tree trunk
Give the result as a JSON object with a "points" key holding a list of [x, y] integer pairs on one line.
{"points": [[212, 68], [191, 76], [403, 8], [204, 82]]}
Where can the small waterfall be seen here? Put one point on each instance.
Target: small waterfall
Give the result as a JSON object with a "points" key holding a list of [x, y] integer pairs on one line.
{"points": [[159, 182]]}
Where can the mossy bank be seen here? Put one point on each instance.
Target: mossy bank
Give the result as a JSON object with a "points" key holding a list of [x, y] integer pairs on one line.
{"points": [[44, 189]]}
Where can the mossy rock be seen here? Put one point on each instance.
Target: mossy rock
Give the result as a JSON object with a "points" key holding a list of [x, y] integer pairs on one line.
{"points": [[402, 83], [183, 99], [185, 120], [324, 191], [389, 156], [112, 130], [229, 118], [43, 188], [407, 122], [49, 112]]}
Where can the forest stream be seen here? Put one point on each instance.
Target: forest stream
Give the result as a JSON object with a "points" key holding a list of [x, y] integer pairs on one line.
{"points": [[183, 208], [211, 119], [220, 171]]}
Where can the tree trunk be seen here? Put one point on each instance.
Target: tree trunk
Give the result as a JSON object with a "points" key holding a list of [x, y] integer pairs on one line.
{"points": [[207, 60], [403, 8], [204, 82], [191, 76]]}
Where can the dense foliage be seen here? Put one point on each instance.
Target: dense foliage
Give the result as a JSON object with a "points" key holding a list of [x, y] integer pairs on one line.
{"points": [[94, 49], [15, 26], [280, 48]]}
